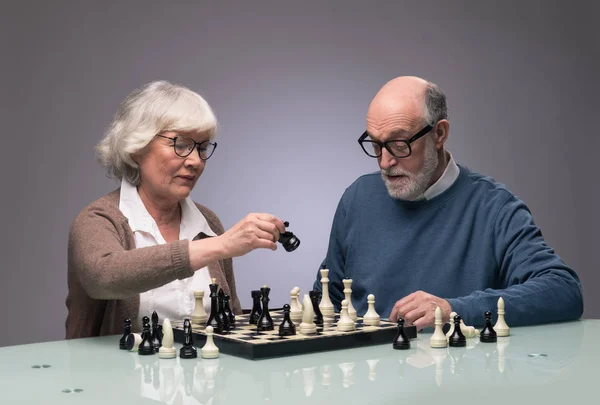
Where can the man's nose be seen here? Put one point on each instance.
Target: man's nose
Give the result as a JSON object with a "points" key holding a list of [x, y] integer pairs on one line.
{"points": [[387, 160]]}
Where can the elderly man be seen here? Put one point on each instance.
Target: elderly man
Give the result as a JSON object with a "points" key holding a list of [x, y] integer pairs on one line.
{"points": [[427, 232]]}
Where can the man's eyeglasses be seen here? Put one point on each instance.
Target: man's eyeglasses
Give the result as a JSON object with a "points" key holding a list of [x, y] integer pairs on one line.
{"points": [[397, 148], [183, 146]]}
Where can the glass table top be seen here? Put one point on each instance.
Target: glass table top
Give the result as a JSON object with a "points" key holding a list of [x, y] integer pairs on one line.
{"points": [[547, 364]]}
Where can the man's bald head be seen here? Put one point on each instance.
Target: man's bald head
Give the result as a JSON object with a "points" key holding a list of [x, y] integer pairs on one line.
{"points": [[405, 93]]}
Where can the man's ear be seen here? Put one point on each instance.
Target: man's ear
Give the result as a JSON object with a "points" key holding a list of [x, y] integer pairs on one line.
{"points": [[442, 131]]}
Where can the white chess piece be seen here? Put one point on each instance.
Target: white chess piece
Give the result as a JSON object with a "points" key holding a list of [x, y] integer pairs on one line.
{"points": [[451, 321], [295, 307], [371, 317], [438, 339], [308, 327], [348, 297], [209, 350], [345, 323], [468, 331], [199, 316], [167, 351], [501, 326], [133, 341], [326, 306]]}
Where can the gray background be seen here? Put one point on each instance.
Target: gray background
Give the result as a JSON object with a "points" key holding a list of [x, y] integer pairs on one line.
{"points": [[290, 83]]}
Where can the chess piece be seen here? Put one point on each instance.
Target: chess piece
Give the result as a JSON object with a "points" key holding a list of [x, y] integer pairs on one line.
{"points": [[457, 339], [214, 319], [265, 322], [287, 327], [209, 350], [372, 364], [401, 341], [501, 327], [228, 311], [308, 327], [256, 311], [371, 317], [451, 323], [199, 316], [126, 332], [156, 332], [167, 350], [326, 306], [288, 240], [438, 339], [488, 334], [295, 306], [222, 314], [345, 323], [146, 347], [348, 297], [314, 299], [188, 351], [133, 341]]}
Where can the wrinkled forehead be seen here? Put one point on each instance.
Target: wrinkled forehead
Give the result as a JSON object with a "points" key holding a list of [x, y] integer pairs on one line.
{"points": [[386, 119]]}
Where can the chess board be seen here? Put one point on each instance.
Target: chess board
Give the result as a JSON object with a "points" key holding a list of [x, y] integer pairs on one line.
{"points": [[245, 341]]}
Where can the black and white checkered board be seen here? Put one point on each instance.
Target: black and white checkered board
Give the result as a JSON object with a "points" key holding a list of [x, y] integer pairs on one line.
{"points": [[245, 341]]}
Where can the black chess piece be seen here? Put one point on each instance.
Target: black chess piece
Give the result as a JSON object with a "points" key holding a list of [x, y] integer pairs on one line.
{"points": [[146, 347], [265, 322], [156, 335], [314, 298], [256, 311], [222, 315], [126, 332], [401, 341], [214, 319], [188, 351], [228, 311], [287, 327], [457, 339], [488, 334], [289, 241]]}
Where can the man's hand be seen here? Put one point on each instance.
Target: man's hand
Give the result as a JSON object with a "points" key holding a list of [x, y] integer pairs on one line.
{"points": [[418, 309]]}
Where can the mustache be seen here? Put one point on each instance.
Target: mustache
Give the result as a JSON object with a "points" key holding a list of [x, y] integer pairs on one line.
{"points": [[395, 172]]}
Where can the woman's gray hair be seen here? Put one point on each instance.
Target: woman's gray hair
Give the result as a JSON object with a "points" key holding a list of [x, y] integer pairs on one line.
{"points": [[435, 104], [154, 108]]}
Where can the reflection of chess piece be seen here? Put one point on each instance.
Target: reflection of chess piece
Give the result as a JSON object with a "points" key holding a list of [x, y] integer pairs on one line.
{"points": [[199, 316], [501, 327], [348, 374], [372, 365], [439, 356], [348, 297], [501, 346], [326, 376], [326, 305], [310, 380]]}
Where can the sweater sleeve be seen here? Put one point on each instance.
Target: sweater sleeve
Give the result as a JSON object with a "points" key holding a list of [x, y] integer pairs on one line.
{"points": [[535, 284], [107, 270], [335, 259]]}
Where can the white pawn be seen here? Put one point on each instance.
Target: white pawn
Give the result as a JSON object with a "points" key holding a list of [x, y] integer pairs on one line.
{"points": [[308, 327], [345, 323], [209, 350], [371, 317], [451, 321], [348, 297], [166, 350], [199, 317], [438, 339], [501, 326], [295, 307], [326, 306]]}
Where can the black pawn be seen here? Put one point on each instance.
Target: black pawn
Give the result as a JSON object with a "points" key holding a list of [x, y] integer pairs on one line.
{"points": [[126, 332], [314, 298], [214, 319], [401, 341], [222, 315], [265, 322], [256, 311], [156, 333], [287, 327], [146, 347], [457, 339], [488, 334], [188, 351], [228, 311]]}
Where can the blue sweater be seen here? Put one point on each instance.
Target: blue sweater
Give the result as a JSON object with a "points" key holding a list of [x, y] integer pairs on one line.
{"points": [[470, 245]]}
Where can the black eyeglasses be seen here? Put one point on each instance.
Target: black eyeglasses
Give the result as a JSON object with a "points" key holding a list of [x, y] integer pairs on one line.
{"points": [[397, 148], [183, 146]]}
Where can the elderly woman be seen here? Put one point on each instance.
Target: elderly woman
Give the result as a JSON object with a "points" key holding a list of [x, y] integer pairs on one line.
{"points": [[147, 246]]}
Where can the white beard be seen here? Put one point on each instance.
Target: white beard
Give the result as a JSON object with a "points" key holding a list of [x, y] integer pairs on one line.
{"points": [[413, 185]]}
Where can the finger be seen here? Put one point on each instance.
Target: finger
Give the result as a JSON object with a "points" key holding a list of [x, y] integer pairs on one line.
{"points": [[394, 313], [264, 235], [422, 322], [265, 244], [274, 220], [270, 228], [406, 300], [413, 315], [403, 310]]}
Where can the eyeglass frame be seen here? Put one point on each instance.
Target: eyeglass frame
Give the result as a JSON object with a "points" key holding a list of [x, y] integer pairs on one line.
{"points": [[196, 146], [382, 145]]}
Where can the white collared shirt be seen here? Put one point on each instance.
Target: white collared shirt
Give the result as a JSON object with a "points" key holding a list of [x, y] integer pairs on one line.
{"points": [[174, 300], [444, 182]]}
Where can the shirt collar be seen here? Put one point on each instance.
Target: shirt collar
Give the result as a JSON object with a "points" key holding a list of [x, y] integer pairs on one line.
{"points": [[444, 182]]}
